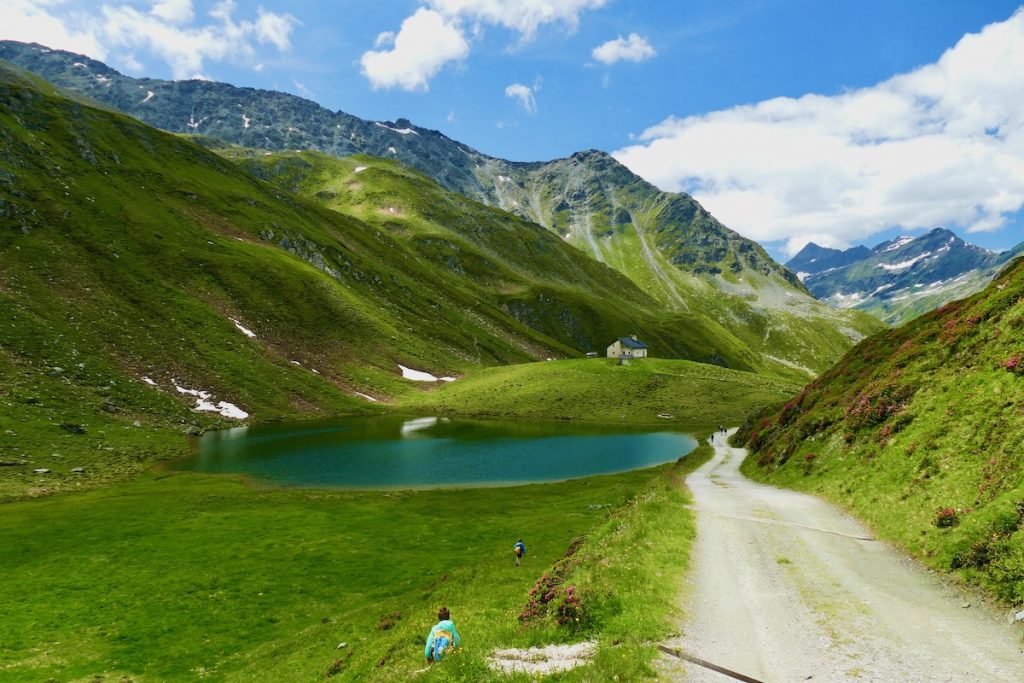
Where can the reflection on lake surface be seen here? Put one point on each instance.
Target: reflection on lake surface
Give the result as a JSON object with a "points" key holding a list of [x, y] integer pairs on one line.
{"points": [[422, 452]]}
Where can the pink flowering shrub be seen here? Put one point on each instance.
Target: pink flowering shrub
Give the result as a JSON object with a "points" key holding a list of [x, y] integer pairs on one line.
{"points": [[949, 517], [1014, 363]]}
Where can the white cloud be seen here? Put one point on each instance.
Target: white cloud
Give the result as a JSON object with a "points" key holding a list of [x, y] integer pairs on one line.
{"points": [[426, 42], [167, 30], [275, 29], [29, 21], [632, 49], [440, 32], [303, 90], [524, 94], [522, 16], [942, 146], [174, 11]]}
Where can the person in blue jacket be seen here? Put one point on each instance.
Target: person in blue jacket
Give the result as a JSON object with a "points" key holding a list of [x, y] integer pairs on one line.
{"points": [[443, 638], [519, 549]]}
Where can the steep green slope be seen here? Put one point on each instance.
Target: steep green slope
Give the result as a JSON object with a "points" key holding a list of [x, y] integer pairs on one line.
{"points": [[523, 269], [680, 254], [785, 332], [920, 431], [666, 243], [133, 262], [652, 390]]}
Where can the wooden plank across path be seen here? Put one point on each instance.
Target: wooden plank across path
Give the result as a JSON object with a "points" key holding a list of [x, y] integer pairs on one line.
{"points": [[676, 652]]}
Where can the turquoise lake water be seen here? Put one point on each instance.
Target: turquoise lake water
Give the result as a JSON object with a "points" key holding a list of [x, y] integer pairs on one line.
{"points": [[426, 452]]}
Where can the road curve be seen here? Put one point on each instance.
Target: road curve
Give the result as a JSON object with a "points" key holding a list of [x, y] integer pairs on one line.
{"points": [[783, 588]]}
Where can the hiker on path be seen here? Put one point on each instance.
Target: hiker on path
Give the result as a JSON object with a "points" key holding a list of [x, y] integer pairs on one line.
{"points": [[443, 637], [519, 549]]}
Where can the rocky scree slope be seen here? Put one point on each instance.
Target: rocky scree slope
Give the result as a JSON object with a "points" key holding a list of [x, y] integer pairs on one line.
{"points": [[665, 242], [920, 431], [899, 279]]}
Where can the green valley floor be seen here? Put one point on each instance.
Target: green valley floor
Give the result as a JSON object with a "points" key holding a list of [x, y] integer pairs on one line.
{"points": [[180, 577]]}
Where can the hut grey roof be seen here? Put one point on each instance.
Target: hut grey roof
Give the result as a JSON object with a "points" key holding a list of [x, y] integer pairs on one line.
{"points": [[631, 343]]}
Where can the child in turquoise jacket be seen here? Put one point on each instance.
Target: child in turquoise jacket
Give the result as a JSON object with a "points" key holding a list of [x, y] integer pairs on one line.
{"points": [[443, 638]]}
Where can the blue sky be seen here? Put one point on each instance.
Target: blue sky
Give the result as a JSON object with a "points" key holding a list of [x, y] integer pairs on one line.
{"points": [[689, 101]]}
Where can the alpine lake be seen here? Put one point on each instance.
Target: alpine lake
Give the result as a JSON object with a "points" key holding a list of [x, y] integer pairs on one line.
{"points": [[389, 452]]}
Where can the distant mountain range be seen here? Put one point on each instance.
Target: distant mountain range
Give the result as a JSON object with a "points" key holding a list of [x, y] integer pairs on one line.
{"points": [[902, 278], [720, 284]]}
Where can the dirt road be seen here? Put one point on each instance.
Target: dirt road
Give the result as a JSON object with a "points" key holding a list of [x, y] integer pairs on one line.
{"points": [[783, 589]]}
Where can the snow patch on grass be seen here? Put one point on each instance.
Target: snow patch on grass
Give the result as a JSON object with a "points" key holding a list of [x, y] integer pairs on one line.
{"points": [[416, 375], [359, 169], [243, 329], [205, 405], [420, 376]]}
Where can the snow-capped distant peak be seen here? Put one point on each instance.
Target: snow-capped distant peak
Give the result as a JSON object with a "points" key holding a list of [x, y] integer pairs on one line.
{"points": [[899, 242], [400, 131], [903, 265]]}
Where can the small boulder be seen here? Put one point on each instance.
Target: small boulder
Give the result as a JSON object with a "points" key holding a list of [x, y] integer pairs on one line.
{"points": [[78, 470], [41, 470], [72, 428]]}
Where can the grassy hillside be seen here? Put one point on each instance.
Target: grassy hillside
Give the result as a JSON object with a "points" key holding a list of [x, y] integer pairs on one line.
{"points": [[773, 328], [920, 431], [133, 262], [527, 271], [174, 578], [733, 303], [694, 394]]}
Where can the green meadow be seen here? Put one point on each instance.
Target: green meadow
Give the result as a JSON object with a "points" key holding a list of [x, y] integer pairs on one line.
{"points": [[651, 390], [181, 577]]}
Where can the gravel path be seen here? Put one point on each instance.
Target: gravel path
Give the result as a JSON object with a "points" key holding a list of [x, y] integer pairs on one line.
{"points": [[783, 589]]}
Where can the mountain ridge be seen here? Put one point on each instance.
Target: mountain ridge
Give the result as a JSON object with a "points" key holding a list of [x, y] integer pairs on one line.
{"points": [[899, 278], [666, 243]]}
